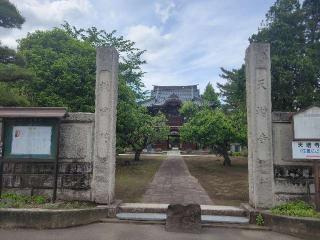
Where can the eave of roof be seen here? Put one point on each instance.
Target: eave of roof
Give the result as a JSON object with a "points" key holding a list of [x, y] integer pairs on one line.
{"points": [[172, 87], [33, 112]]}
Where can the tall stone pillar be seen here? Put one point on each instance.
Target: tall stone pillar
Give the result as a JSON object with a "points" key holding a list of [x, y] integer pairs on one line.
{"points": [[105, 125], [260, 151]]}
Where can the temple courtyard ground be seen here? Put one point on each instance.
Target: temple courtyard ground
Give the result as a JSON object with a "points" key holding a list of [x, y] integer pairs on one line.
{"points": [[224, 185], [186, 178], [120, 231], [132, 180], [174, 184]]}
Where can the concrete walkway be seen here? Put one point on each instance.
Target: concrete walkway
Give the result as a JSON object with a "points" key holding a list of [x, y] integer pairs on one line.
{"points": [[173, 183], [120, 231]]}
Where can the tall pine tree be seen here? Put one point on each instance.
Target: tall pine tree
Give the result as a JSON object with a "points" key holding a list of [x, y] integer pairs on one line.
{"points": [[292, 30], [10, 17], [210, 96]]}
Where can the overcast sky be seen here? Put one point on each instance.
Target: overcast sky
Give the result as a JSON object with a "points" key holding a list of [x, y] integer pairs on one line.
{"points": [[187, 41]]}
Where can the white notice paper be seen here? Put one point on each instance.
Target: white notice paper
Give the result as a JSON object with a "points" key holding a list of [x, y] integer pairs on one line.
{"points": [[31, 140]]}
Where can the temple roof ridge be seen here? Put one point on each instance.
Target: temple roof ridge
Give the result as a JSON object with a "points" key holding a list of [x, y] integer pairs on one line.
{"points": [[162, 94]]}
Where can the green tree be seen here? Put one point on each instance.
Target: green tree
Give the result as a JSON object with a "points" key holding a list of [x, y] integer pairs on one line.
{"points": [[130, 77], [64, 68], [130, 57], [189, 109], [11, 65], [146, 129], [214, 129], [63, 61], [284, 31], [11, 97], [293, 32], [12, 79], [210, 96], [9, 15], [234, 90], [12, 73], [311, 16]]}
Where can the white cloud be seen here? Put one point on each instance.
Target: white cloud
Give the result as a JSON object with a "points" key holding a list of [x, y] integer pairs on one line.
{"points": [[164, 10], [53, 11], [149, 38], [204, 36], [187, 41], [45, 14]]}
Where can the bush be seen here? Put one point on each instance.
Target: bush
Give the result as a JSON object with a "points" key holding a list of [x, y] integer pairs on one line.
{"points": [[259, 220], [13, 200], [236, 154], [297, 209], [9, 97]]}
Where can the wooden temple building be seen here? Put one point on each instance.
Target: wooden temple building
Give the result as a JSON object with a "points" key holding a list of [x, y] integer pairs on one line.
{"points": [[168, 100]]}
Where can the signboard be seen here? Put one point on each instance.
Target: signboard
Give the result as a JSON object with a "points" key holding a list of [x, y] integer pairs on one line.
{"points": [[31, 140], [306, 149], [306, 124], [306, 141]]}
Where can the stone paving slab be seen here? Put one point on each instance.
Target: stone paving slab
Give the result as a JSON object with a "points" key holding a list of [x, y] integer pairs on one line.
{"points": [[173, 184]]}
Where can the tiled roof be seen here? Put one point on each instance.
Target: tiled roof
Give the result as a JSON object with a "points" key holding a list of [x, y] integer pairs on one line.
{"points": [[161, 94]]}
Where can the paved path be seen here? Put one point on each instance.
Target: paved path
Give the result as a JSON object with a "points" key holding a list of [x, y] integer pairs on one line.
{"points": [[173, 183], [120, 231]]}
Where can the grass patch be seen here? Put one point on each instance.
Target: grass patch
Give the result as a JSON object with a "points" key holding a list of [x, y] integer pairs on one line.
{"points": [[296, 209], [132, 180], [224, 185], [13, 200]]}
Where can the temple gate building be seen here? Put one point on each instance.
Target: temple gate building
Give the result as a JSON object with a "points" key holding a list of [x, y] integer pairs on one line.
{"points": [[168, 100]]}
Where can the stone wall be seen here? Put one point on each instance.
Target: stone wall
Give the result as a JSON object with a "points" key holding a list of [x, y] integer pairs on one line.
{"points": [[293, 179], [75, 164]]}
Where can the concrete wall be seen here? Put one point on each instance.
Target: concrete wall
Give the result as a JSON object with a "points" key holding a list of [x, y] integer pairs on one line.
{"points": [[75, 164], [293, 179]]}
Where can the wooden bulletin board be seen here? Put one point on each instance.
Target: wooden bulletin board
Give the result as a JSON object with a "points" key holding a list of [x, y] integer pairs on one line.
{"points": [[32, 139]]}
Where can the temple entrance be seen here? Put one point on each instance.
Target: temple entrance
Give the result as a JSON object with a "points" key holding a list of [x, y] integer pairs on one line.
{"points": [[173, 141]]}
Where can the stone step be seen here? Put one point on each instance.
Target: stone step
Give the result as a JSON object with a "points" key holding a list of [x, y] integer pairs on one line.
{"points": [[154, 217], [224, 219], [162, 208]]}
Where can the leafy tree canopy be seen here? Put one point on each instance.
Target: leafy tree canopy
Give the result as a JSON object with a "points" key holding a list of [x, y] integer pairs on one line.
{"points": [[234, 90], [11, 97], [64, 68], [210, 96], [9, 15], [63, 62], [214, 129], [293, 30], [189, 109], [130, 57], [11, 64], [146, 129]]}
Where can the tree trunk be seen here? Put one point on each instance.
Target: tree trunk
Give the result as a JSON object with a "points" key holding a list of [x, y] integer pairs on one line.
{"points": [[227, 160], [137, 154]]}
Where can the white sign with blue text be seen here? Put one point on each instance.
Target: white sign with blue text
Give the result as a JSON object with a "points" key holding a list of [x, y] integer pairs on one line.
{"points": [[306, 149]]}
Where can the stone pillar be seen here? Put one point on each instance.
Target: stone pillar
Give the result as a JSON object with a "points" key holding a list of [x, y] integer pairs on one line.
{"points": [[105, 125], [260, 151]]}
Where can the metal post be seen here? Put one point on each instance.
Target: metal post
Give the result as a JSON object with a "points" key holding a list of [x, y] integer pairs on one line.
{"points": [[316, 183], [1, 155], [56, 164]]}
